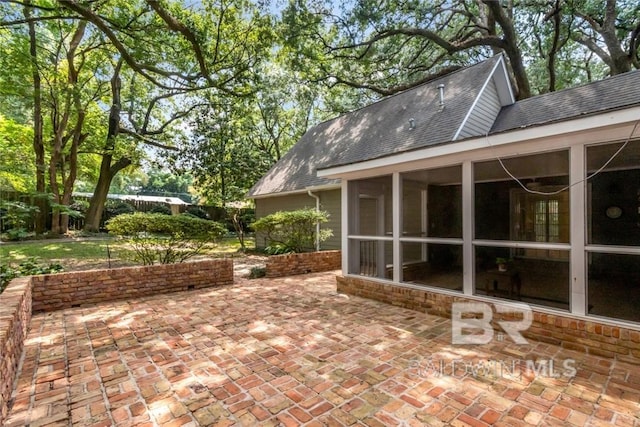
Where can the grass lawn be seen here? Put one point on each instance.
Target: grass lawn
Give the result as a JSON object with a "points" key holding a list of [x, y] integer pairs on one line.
{"points": [[74, 254], [48, 250]]}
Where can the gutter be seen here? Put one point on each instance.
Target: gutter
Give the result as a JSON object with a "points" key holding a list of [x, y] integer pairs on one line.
{"points": [[293, 192], [318, 223]]}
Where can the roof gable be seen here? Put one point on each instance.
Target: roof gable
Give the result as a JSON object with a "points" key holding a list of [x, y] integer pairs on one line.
{"points": [[494, 94], [406, 121]]}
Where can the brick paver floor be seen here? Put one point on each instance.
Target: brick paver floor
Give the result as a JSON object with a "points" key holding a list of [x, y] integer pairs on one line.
{"points": [[293, 352]]}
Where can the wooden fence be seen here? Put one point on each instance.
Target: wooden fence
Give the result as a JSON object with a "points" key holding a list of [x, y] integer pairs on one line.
{"points": [[214, 213]]}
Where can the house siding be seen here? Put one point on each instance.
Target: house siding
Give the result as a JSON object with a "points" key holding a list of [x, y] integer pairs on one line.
{"points": [[484, 113], [329, 201]]}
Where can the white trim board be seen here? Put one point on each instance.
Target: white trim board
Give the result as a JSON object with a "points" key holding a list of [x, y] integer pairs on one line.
{"points": [[610, 126]]}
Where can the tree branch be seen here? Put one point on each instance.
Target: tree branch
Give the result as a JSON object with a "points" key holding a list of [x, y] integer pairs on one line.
{"points": [[450, 47], [122, 163], [146, 140], [37, 19], [141, 69], [179, 27], [590, 44], [173, 118], [399, 88]]}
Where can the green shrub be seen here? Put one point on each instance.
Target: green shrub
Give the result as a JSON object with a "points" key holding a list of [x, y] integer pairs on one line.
{"points": [[7, 274], [293, 231], [257, 272], [29, 267], [32, 266], [157, 238], [113, 208], [160, 209], [16, 216], [278, 249], [197, 212], [80, 205]]}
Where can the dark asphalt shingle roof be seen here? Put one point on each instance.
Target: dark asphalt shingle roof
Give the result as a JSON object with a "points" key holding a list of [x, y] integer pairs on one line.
{"points": [[613, 93], [379, 130], [382, 129]]}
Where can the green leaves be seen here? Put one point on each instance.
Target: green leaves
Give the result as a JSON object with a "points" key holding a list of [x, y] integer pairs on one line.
{"points": [[384, 47], [17, 168], [293, 231], [165, 239], [28, 267]]}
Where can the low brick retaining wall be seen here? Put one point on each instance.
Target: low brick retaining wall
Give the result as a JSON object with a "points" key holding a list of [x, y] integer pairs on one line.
{"points": [[587, 336], [50, 292], [15, 316], [65, 290], [308, 262]]}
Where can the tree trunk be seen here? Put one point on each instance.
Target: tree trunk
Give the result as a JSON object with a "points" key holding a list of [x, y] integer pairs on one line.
{"points": [[38, 144], [555, 46], [54, 163], [620, 61], [107, 170], [61, 181], [96, 205], [511, 48], [70, 180]]}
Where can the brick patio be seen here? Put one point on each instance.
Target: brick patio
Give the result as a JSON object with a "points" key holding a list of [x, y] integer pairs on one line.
{"points": [[291, 351]]}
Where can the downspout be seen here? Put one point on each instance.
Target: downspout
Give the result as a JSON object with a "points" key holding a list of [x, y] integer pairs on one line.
{"points": [[318, 223]]}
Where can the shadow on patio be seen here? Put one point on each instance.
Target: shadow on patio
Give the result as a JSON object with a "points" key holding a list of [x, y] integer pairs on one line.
{"points": [[291, 351]]}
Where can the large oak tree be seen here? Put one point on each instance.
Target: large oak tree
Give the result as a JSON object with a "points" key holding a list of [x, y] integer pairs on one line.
{"points": [[385, 47]]}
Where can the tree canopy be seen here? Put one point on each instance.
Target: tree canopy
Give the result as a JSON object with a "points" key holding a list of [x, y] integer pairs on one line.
{"points": [[220, 89], [385, 47]]}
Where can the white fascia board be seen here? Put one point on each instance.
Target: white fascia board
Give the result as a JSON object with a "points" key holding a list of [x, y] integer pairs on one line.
{"points": [[547, 137], [475, 101], [505, 90], [294, 192]]}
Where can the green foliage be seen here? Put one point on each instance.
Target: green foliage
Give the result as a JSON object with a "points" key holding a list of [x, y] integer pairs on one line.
{"points": [[66, 210], [158, 238], [33, 265], [160, 209], [16, 216], [28, 267], [379, 48], [7, 274], [241, 220], [198, 212], [293, 231], [224, 163], [278, 249], [257, 272], [15, 143], [79, 206], [158, 182], [114, 208]]}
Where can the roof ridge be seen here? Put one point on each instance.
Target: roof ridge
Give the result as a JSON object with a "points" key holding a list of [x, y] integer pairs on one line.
{"points": [[416, 87]]}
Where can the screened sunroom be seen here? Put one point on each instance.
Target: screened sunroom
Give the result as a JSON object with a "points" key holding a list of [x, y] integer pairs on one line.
{"points": [[507, 227], [457, 189]]}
